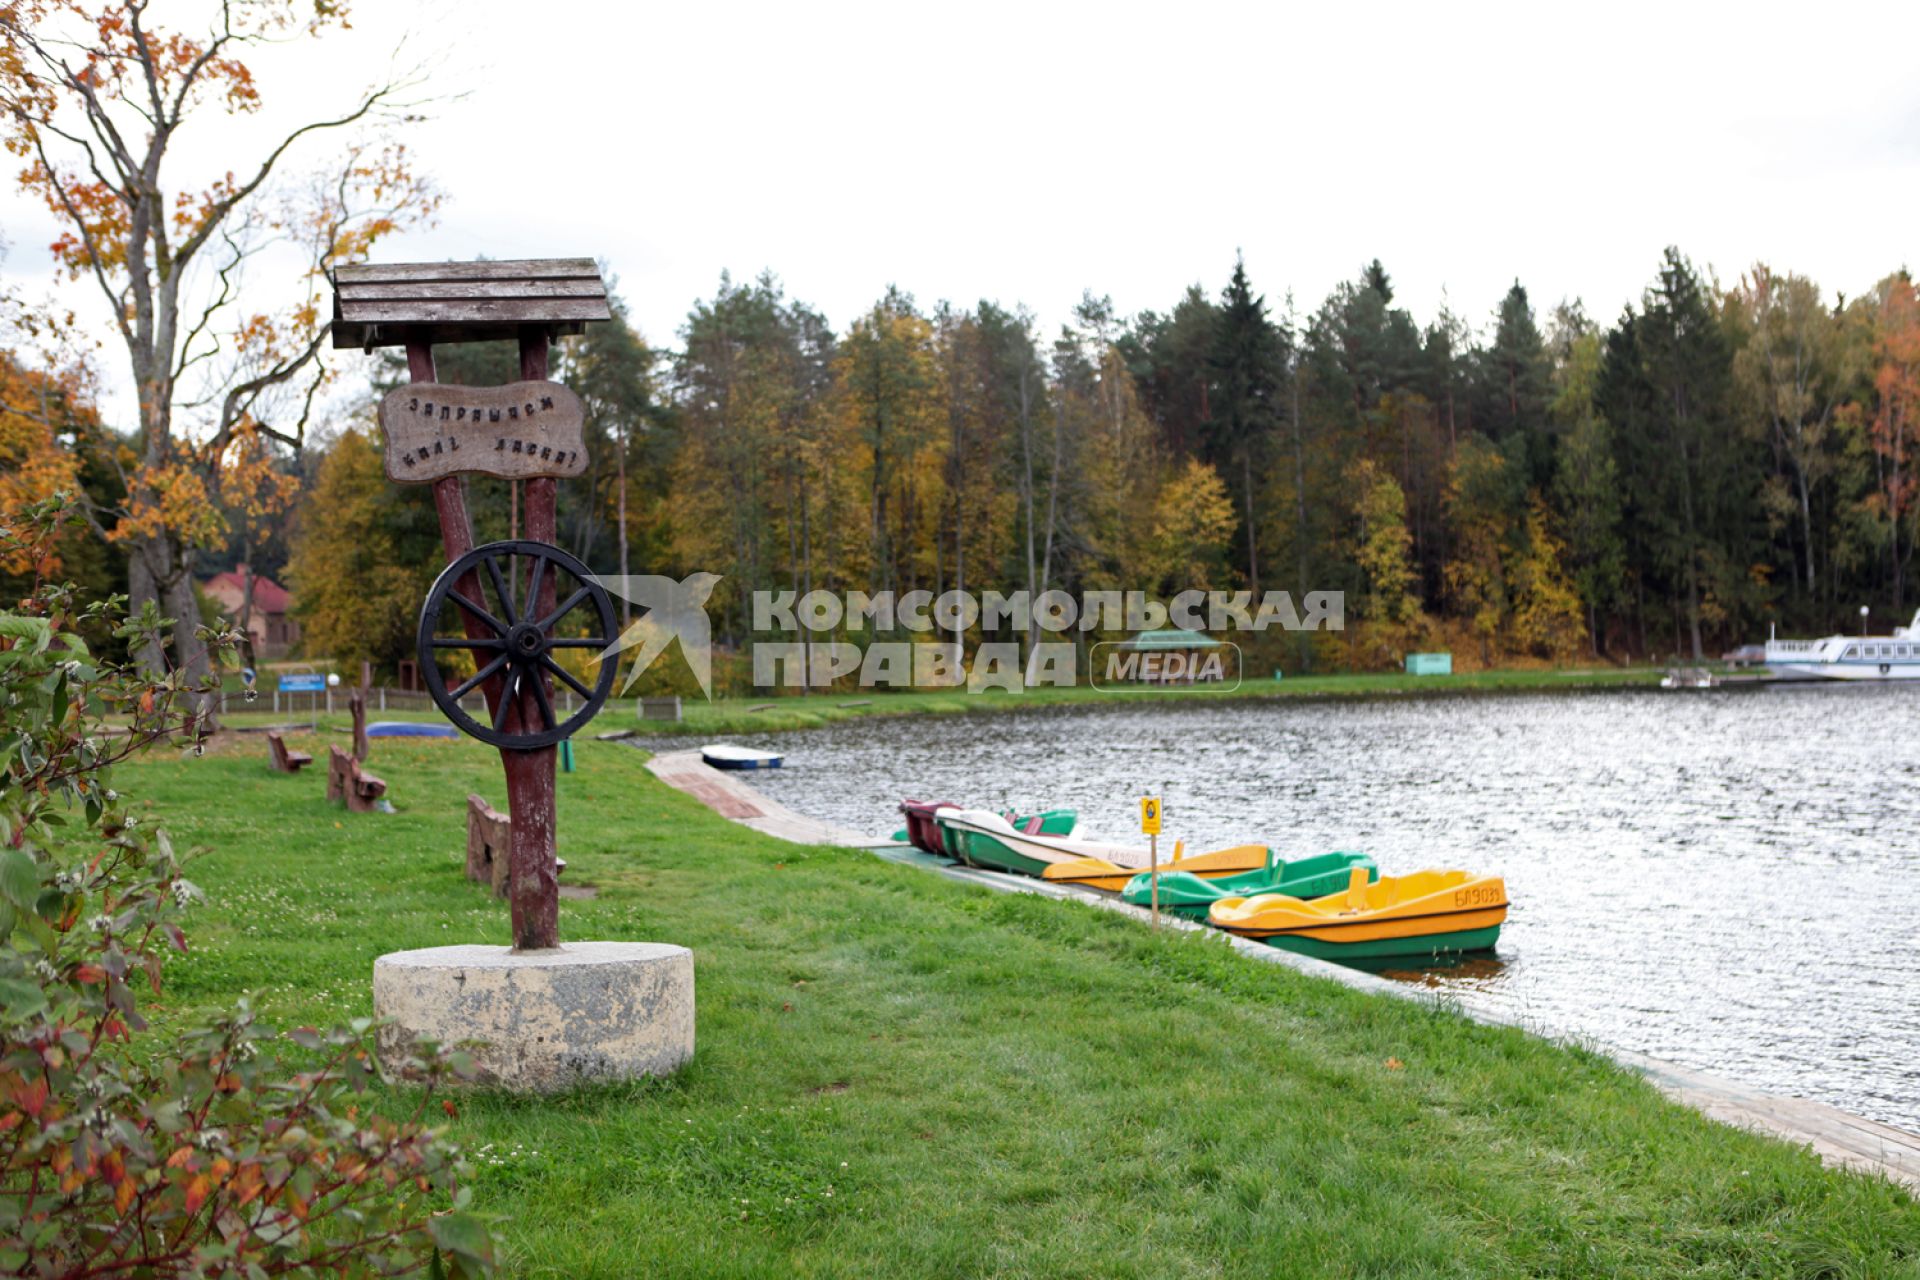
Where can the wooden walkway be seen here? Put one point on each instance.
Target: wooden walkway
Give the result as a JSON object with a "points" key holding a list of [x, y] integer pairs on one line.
{"points": [[728, 796], [1837, 1137]]}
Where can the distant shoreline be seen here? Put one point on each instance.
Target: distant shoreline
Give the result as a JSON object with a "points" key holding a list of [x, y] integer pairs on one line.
{"points": [[735, 715], [813, 711]]}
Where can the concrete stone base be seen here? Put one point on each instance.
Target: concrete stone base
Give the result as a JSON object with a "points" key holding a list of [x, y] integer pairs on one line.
{"points": [[545, 1020]]}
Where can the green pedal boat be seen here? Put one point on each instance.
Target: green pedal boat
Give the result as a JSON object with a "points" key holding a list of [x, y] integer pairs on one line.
{"points": [[1188, 895]]}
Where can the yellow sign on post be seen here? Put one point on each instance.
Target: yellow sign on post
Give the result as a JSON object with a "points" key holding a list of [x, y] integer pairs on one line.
{"points": [[1150, 824]]}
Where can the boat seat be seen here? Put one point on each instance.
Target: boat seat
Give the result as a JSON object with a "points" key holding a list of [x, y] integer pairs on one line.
{"points": [[1031, 827]]}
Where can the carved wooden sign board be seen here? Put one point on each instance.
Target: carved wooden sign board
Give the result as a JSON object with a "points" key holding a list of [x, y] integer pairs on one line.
{"points": [[517, 431]]}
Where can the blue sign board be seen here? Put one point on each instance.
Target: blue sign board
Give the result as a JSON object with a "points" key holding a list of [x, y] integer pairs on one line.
{"points": [[303, 682]]}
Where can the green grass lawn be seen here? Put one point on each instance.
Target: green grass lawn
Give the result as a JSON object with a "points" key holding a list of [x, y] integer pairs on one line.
{"points": [[902, 1076]]}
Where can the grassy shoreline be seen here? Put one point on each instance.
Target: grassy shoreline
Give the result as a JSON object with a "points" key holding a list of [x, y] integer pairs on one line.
{"points": [[812, 711], [899, 1075]]}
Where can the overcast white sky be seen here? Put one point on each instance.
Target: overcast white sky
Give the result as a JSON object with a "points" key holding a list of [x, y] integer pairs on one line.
{"points": [[1025, 152]]}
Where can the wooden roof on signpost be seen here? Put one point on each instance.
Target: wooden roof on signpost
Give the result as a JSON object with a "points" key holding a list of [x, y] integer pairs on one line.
{"points": [[391, 304]]}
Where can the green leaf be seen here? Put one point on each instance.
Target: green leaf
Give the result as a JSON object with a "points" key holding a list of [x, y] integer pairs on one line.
{"points": [[42, 932], [19, 878], [21, 999], [14, 627], [464, 1236]]}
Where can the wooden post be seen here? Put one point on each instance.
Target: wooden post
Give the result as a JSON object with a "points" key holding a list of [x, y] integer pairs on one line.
{"points": [[534, 880], [357, 704], [1153, 863], [416, 305], [535, 897]]}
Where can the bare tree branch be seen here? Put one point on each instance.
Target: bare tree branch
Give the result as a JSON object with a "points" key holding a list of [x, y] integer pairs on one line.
{"points": [[200, 325], [94, 259], [221, 208]]}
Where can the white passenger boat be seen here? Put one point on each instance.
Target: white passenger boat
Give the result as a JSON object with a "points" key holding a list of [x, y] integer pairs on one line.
{"points": [[1894, 657]]}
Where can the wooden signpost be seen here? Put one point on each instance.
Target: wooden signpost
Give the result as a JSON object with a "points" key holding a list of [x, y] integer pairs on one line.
{"points": [[528, 430], [518, 431]]}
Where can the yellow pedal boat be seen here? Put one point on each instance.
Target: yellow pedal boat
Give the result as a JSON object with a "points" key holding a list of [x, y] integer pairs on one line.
{"points": [[1098, 873], [1426, 913]]}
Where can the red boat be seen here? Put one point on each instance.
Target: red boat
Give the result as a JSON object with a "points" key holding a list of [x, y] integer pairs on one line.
{"points": [[923, 833], [927, 835]]}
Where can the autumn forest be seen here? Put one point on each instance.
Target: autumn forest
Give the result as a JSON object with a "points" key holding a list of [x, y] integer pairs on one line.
{"points": [[1541, 484], [1531, 486]]}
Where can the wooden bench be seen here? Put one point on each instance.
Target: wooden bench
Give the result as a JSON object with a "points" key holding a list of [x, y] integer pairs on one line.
{"points": [[490, 847], [284, 760], [347, 781], [667, 708]]}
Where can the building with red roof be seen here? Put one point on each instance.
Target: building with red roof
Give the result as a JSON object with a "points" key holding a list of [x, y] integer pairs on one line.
{"points": [[270, 623]]}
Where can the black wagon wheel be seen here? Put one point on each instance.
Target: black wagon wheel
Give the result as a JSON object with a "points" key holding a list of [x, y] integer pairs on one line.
{"points": [[488, 602]]}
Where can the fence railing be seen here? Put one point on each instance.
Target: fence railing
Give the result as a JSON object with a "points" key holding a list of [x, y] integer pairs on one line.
{"points": [[378, 699]]}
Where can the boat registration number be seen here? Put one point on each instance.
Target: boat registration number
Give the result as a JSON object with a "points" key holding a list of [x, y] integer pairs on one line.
{"points": [[1479, 895]]}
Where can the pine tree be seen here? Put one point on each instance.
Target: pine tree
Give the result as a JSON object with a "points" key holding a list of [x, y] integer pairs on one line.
{"points": [[1586, 483], [1169, 359], [1664, 387], [1514, 387], [1247, 360]]}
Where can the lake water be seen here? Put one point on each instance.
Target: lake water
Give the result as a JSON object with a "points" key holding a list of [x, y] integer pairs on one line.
{"points": [[1729, 880]]}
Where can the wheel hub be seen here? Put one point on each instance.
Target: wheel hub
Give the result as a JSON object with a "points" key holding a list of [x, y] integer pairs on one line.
{"points": [[527, 640]]}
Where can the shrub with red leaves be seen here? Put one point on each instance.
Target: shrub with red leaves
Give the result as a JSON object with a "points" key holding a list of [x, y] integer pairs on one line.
{"points": [[203, 1153]]}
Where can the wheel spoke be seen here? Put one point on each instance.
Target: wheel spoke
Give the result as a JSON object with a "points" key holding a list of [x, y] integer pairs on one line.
{"points": [[579, 642], [467, 686], [533, 583], [546, 623], [500, 589], [539, 684], [566, 675], [454, 595], [448, 642], [509, 694]]}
